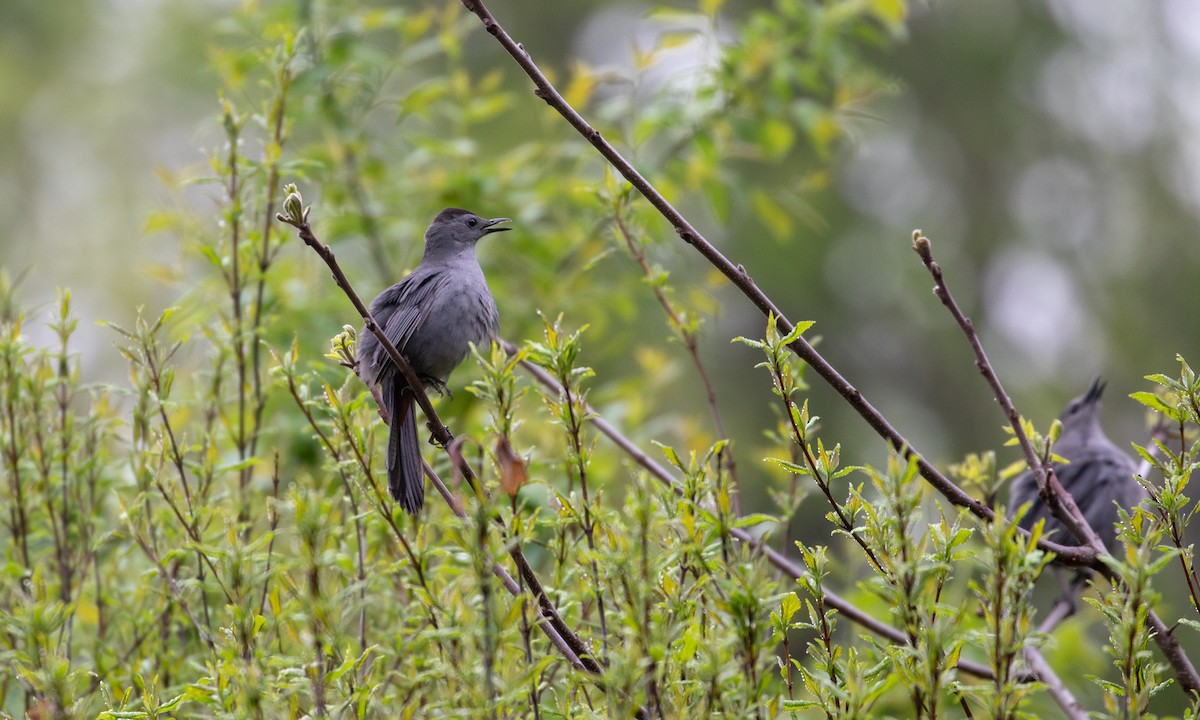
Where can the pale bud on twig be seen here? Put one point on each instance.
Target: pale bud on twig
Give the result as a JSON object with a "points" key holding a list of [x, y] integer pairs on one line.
{"points": [[294, 213]]}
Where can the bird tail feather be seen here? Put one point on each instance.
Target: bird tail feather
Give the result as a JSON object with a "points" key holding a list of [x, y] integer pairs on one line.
{"points": [[406, 478]]}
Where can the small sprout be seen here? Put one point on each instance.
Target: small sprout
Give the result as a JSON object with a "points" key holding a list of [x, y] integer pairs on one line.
{"points": [[342, 347], [920, 243], [294, 212]]}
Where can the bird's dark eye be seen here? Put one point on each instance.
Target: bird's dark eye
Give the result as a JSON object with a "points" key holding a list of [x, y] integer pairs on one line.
{"points": [[472, 222]]}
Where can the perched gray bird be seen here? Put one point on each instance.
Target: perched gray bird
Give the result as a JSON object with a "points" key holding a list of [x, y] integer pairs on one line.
{"points": [[432, 316], [1099, 475]]}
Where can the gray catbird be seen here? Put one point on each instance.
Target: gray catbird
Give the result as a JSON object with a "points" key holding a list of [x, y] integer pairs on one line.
{"points": [[1099, 475], [431, 316]]}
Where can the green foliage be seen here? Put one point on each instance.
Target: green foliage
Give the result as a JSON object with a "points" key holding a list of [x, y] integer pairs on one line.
{"points": [[838, 679], [1126, 610], [1012, 565]]}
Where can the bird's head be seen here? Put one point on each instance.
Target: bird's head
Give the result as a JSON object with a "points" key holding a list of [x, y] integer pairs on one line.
{"points": [[1084, 411], [455, 229]]}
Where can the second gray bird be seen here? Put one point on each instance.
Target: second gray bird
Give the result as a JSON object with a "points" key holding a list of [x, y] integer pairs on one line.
{"points": [[432, 316], [1099, 475]]}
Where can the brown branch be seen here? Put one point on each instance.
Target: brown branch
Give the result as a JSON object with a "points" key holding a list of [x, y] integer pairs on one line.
{"points": [[1061, 503], [1062, 696], [572, 647], [692, 345]]}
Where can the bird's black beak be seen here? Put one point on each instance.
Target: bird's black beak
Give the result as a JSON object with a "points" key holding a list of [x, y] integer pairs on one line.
{"points": [[489, 226], [1095, 391]]}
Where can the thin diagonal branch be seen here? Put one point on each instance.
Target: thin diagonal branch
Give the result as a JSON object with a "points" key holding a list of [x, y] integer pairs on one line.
{"points": [[691, 344], [1060, 502], [740, 279], [1065, 699], [545, 623]]}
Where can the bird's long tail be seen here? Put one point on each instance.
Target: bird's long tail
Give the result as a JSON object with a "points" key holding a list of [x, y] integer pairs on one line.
{"points": [[406, 479]]}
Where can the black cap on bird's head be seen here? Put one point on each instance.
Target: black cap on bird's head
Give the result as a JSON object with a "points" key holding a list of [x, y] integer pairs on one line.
{"points": [[455, 227], [451, 216]]}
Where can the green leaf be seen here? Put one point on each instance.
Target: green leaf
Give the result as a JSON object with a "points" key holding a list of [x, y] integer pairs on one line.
{"points": [[1154, 402], [754, 519], [789, 606]]}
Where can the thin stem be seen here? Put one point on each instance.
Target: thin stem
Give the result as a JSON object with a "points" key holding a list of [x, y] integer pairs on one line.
{"points": [[273, 512], [338, 457], [64, 431], [1060, 502], [235, 286], [691, 344], [176, 592], [575, 433], [265, 256], [12, 453], [800, 438]]}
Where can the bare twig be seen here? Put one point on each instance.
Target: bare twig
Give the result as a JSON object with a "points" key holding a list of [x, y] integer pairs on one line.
{"points": [[546, 623], [1061, 503], [692, 345], [1062, 696], [173, 586]]}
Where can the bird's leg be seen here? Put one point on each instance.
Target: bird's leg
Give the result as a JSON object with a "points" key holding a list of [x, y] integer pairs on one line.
{"points": [[438, 385], [433, 433]]}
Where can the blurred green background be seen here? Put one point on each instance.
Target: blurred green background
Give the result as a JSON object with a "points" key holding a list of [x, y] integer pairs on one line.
{"points": [[1049, 150]]}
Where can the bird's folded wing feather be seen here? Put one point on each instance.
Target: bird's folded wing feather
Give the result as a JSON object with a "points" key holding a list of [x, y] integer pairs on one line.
{"points": [[416, 295], [1091, 480]]}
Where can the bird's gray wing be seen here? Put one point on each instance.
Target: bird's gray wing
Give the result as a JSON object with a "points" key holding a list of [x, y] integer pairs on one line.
{"points": [[1094, 482], [413, 301], [404, 307], [400, 310]]}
